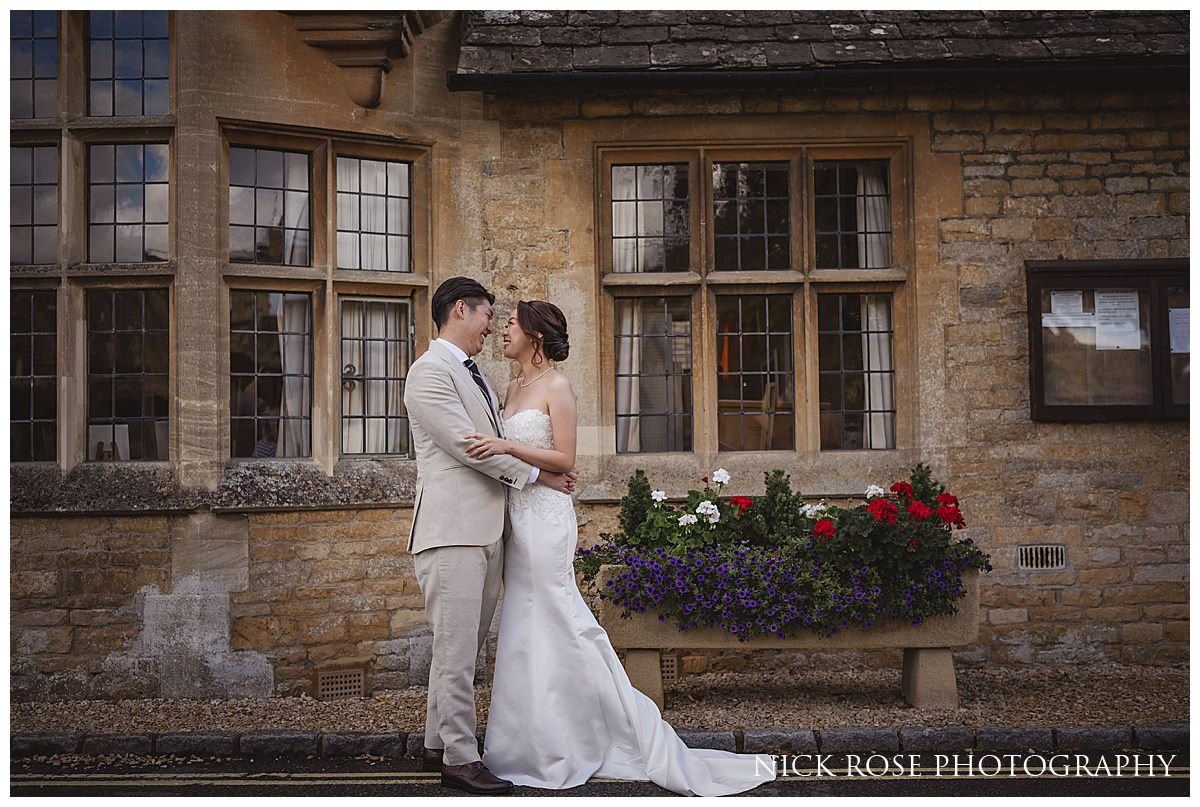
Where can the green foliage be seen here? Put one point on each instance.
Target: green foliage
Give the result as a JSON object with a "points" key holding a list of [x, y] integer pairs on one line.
{"points": [[636, 503]]}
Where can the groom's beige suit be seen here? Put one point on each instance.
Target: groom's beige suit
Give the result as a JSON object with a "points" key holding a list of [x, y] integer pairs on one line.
{"points": [[459, 522]]}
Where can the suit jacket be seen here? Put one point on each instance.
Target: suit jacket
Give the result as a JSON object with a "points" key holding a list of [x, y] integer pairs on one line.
{"points": [[460, 501]]}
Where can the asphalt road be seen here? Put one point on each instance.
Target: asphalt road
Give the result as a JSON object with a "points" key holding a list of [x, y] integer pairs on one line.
{"points": [[324, 777]]}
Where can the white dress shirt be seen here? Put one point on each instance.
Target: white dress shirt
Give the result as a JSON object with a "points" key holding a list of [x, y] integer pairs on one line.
{"points": [[462, 357]]}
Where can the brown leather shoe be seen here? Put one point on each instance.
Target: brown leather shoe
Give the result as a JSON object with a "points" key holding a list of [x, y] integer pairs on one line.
{"points": [[474, 778], [431, 759]]}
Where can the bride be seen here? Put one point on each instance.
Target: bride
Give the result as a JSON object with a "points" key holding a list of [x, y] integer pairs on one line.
{"points": [[562, 707]]}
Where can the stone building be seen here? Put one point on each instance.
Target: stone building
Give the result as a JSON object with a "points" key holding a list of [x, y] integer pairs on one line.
{"points": [[837, 243]]}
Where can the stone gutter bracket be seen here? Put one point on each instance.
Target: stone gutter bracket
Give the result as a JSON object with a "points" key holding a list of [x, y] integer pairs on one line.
{"points": [[362, 44]]}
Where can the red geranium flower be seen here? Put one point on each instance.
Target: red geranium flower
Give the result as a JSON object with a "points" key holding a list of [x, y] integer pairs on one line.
{"points": [[919, 511], [912, 545], [947, 499], [742, 503], [823, 529], [903, 489], [951, 515], [881, 509]]}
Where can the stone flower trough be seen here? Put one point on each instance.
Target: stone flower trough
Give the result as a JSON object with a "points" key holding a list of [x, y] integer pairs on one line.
{"points": [[927, 675]]}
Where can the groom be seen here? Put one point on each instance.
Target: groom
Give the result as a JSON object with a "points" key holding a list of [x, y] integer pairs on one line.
{"points": [[459, 522]]}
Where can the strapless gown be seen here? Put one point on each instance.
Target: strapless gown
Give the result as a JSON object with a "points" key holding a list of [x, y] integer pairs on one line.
{"points": [[563, 709]]}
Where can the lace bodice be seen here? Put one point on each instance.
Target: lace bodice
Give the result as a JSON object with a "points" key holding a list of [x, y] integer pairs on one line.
{"points": [[532, 428], [532, 431]]}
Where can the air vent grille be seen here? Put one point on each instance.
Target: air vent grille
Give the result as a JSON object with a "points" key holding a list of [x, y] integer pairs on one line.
{"points": [[339, 684], [669, 663], [1042, 556]]}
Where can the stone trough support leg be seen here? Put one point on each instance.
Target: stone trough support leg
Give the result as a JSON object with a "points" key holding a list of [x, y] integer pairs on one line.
{"points": [[927, 678], [644, 668]]}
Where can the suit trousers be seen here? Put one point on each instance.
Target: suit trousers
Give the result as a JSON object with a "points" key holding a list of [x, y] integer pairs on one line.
{"points": [[461, 585]]}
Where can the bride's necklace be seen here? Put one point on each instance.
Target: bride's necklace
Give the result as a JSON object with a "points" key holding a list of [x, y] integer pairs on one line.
{"points": [[525, 384]]}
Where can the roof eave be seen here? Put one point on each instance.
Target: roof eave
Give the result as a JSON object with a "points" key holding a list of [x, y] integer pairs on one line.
{"points": [[1101, 73]]}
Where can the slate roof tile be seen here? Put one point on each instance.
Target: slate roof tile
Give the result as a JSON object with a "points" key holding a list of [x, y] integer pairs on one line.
{"points": [[499, 42]]}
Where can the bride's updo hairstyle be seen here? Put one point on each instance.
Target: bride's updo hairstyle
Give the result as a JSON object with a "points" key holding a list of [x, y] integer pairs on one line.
{"points": [[539, 316]]}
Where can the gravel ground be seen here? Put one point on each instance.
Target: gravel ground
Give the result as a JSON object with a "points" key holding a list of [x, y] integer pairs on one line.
{"points": [[719, 701]]}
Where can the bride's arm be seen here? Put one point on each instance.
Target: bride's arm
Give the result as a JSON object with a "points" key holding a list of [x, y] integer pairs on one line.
{"points": [[559, 459]]}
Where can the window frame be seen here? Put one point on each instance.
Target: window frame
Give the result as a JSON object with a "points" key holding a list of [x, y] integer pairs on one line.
{"points": [[611, 301], [410, 337], [54, 290], [1153, 274], [315, 304], [33, 79], [58, 204], [85, 23], [802, 281], [87, 424]]}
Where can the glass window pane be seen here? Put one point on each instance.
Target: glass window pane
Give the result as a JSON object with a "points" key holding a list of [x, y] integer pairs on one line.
{"points": [[101, 241], [297, 171], [129, 163], [269, 166], [129, 203], [280, 217], [127, 97], [653, 374], [1086, 363], [156, 242], [129, 244], [241, 166], [155, 53], [373, 214], [154, 23], [641, 216]]}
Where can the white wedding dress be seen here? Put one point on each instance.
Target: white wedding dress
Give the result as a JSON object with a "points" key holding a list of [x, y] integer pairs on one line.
{"points": [[562, 708]]}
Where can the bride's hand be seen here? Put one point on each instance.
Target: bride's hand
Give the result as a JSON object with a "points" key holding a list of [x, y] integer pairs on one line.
{"points": [[482, 446]]}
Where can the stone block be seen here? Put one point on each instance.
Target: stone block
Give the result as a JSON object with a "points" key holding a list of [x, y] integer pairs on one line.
{"points": [[718, 740], [36, 745], [1174, 736], [197, 744], [1014, 739], [33, 640], [779, 741], [118, 744], [1093, 738], [28, 584], [355, 744], [212, 552], [279, 744], [917, 739], [196, 622], [1007, 616], [859, 741]]}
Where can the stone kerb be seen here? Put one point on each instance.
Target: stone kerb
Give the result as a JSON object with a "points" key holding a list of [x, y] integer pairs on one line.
{"points": [[928, 679]]}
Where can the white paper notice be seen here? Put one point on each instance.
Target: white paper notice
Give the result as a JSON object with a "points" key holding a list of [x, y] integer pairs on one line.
{"points": [[1068, 321], [1180, 320], [1066, 302], [1117, 321]]}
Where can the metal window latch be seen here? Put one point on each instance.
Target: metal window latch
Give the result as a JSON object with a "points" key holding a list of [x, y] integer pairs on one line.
{"points": [[348, 383]]}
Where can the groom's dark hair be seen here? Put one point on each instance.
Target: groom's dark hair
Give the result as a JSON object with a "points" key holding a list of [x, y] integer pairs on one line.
{"points": [[469, 291]]}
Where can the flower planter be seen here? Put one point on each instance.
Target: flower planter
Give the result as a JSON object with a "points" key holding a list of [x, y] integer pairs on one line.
{"points": [[927, 675]]}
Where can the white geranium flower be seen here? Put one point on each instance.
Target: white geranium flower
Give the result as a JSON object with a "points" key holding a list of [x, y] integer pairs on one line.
{"points": [[658, 495], [721, 476], [874, 490], [710, 510], [810, 510], [686, 519]]}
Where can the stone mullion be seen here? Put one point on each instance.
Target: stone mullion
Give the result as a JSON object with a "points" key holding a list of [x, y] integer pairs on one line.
{"points": [[200, 316]]}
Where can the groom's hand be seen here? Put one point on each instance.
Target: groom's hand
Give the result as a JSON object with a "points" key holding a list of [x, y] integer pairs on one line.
{"points": [[563, 483]]}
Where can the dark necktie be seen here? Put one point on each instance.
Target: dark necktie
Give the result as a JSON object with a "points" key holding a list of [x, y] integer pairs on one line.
{"points": [[475, 374]]}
